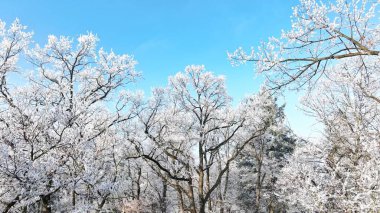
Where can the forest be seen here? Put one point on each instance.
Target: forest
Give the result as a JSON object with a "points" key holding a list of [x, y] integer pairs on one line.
{"points": [[75, 138]]}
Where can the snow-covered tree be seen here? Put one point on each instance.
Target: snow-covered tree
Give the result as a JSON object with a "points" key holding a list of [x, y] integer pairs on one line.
{"points": [[333, 47], [321, 34], [59, 129], [259, 166], [340, 172], [193, 135]]}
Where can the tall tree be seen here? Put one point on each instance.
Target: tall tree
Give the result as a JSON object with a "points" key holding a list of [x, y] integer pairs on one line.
{"points": [[193, 135], [260, 164], [341, 171], [56, 127]]}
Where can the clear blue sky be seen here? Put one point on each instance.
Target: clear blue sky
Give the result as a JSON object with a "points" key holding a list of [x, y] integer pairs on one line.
{"points": [[165, 36]]}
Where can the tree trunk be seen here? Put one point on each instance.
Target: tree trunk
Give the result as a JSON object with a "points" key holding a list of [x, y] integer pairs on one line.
{"points": [[221, 203], [101, 204], [202, 207], [181, 205], [258, 187], [163, 200], [73, 197], [200, 173], [201, 178], [220, 195], [45, 204], [138, 184], [192, 199]]}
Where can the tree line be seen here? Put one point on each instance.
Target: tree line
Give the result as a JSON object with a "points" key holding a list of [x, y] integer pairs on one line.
{"points": [[73, 138]]}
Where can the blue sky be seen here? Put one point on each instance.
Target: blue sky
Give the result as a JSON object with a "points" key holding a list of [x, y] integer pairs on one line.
{"points": [[165, 36]]}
